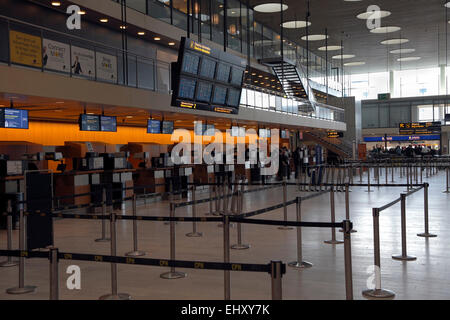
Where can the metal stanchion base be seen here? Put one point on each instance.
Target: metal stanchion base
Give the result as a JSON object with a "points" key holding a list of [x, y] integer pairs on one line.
{"points": [[135, 254], [404, 258], [119, 296], [427, 235], [378, 294], [24, 290], [446, 191], [9, 264], [194, 235], [285, 228], [334, 242], [240, 246], [173, 275], [300, 265], [102, 240]]}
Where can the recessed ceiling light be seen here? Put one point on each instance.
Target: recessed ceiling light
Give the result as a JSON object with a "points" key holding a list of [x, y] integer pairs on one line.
{"points": [[141, 33], [103, 20], [295, 24], [56, 3], [171, 43], [354, 64], [385, 29], [123, 27], [156, 38], [394, 41], [402, 51], [330, 48], [344, 56], [81, 12], [374, 15], [59, 102], [447, 5], [406, 59], [315, 37], [270, 7]]}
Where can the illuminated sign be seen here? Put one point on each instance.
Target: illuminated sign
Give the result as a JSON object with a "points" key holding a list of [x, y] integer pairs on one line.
{"points": [[417, 128]]}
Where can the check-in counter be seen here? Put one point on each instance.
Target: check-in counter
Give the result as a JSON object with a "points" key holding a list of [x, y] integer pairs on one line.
{"points": [[73, 183]]}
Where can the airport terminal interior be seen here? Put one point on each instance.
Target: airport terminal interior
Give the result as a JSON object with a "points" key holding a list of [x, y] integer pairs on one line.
{"points": [[224, 150]]}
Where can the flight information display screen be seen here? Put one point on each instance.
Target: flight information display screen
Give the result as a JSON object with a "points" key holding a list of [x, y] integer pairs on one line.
{"points": [[204, 78], [89, 122], [154, 126], [108, 124], [167, 127], [13, 118]]}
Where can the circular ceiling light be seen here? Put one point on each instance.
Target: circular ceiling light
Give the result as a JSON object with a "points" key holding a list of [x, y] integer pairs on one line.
{"points": [[373, 15], [403, 51], [330, 48], [394, 41], [315, 37], [295, 24], [406, 59], [344, 56], [354, 64], [270, 7], [385, 29], [447, 5]]}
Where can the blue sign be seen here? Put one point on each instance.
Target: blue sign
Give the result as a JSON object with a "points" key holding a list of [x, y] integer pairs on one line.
{"points": [[403, 138], [154, 126], [13, 118]]}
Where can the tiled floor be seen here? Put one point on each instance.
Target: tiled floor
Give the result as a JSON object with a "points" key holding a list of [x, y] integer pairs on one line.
{"points": [[426, 278]]}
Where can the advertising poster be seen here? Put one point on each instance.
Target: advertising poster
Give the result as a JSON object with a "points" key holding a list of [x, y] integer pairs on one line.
{"points": [[106, 67], [25, 49], [83, 62], [56, 56]]}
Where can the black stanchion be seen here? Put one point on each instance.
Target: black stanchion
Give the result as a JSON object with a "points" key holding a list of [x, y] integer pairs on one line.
{"points": [[300, 264], [103, 238], [10, 262]]}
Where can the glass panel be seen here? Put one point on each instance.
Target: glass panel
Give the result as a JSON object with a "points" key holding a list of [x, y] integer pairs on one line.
{"points": [[217, 21], [370, 117], [159, 9], [138, 5]]}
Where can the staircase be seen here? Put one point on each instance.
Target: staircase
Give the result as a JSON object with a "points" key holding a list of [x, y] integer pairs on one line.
{"points": [[336, 145], [293, 82]]}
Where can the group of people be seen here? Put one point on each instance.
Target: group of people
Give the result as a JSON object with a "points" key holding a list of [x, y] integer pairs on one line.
{"points": [[297, 160], [409, 151]]}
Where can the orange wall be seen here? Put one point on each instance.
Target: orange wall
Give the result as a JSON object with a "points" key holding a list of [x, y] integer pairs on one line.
{"points": [[56, 134]]}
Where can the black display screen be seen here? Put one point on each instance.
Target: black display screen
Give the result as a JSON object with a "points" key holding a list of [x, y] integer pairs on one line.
{"points": [[190, 63], [223, 72], [187, 88], [154, 126], [204, 91], [234, 98], [89, 122], [236, 76], [167, 127], [208, 68], [13, 118], [108, 124], [220, 95]]}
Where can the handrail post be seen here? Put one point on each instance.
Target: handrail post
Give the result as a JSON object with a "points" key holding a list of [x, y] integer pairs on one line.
{"points": [[194, 233], [300, 264], [377, 292], [404, 256], [54, 274], [277, 280], [172, 274], [114, 295], [21, 289], [333, 240], [9, 262], [136, 252], [347, 227], [103, 238], [426, 234]]}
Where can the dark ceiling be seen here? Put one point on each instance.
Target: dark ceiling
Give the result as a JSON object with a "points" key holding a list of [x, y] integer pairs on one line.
{"points": [[423, 22]]}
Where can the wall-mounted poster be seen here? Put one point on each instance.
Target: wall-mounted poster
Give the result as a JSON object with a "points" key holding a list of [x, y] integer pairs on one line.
{"points": [[83, 62], [106, 67], [56, 56], [25, 49]]}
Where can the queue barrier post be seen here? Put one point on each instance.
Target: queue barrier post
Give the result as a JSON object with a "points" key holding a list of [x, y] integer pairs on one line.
{"points": [[404, 256], [347, 227], [103, 238], [426, 234], [194, 233], [114, 295], [54, 274], [446, 183], [240, 245], [285, 209], [172, 274], [300, 264], [277, 280], [377, 292], [136, 252], [9, 262], [368, 179], [226, 256], [22, 288], [347, 206], [333, 240]]}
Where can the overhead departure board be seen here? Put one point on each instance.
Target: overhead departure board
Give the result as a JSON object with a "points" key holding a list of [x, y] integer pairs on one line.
{"points": [[108, 124], [154, 126], [167, 127], [207, 79], [420, 128], [89, 122], [13, 118]]}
